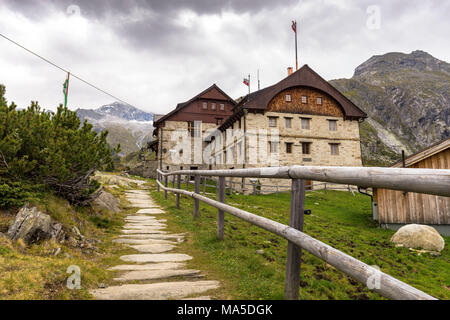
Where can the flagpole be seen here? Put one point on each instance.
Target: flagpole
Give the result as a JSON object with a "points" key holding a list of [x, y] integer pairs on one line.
{"points": [[296, 59], [67, 89], [248, 84], [258, 81]]}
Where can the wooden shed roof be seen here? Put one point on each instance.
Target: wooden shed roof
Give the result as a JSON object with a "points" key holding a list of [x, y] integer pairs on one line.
{"points": [[423, 154]]}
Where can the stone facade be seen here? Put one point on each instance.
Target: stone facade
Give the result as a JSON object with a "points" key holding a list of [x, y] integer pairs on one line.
{"points": [[285, 118]]}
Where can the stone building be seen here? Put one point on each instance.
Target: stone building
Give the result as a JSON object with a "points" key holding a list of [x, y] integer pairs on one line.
{"points": [[307, 120], [207, 110]]}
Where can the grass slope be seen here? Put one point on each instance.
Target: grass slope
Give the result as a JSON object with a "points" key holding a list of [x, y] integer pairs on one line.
{"points": [[36, 273], [338, 219]]}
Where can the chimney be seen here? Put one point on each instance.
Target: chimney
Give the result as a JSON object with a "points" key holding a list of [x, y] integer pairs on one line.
{"points": [[289, 71]]}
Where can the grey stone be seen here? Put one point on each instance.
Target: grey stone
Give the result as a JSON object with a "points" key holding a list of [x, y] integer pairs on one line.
{"points": [[419, 236], [155, 291], [156, 274], [143, 241], [31, 225], [150, 211], [107, 201], [152, 236], [159, 257], [143, 231], [150, 266], [153, 248]]}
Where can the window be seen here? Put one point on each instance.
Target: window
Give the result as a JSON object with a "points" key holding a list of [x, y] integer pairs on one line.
{"points": [[334, 148], [306, 147], [289, 147], [191, 128], [288, 98], [222, 106], [288, 122], [213, 106], [332, 125], [306, 123], [319, 100], [272, 122], [218, 121], [304, 99], [197, 128], [205, 105], [273, 146]]}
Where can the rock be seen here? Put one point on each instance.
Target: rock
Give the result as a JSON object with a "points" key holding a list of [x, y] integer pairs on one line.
{"points": [[154, 291], [160, 257], [260, 251], [107, 201], [31, 226], [77, 233], [156, 274], [418, 236]]}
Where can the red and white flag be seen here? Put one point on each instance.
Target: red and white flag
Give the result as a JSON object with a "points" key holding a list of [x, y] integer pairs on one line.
{"points": [[294, 26], [246, 82]]}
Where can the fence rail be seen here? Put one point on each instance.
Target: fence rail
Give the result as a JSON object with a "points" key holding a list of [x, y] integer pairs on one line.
{"points": [[428, 181]]}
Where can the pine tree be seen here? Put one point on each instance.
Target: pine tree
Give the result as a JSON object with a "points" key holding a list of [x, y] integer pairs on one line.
{"points": [[49, 148]]}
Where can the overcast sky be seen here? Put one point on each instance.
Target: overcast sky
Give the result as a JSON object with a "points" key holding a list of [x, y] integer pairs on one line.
{"points": [[156, 53]]}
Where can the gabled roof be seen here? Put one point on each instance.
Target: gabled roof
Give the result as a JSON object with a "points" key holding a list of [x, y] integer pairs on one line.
{"points": [[306, 77], [423, 154], [205, 94]]}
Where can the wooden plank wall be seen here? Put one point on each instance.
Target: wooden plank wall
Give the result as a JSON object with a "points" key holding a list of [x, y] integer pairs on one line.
{"points": [[400, 207]]}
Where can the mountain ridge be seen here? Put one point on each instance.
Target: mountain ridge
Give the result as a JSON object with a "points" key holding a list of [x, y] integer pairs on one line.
{"points": [[407, 99], [128, 126]]}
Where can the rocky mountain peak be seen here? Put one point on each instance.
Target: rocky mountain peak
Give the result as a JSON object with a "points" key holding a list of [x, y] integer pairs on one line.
{"points": [[418, 60]]}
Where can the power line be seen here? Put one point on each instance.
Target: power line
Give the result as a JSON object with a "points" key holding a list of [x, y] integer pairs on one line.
{"points": [[62, 69]]}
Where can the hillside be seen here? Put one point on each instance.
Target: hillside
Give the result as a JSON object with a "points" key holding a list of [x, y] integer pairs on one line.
{"points": [[407, 98], [127, 125]]}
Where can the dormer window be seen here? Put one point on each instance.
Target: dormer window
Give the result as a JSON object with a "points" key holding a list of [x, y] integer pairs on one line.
{"points": [[213, 106], [288, 98], [222, 106], [205, 105], [304, 99]]}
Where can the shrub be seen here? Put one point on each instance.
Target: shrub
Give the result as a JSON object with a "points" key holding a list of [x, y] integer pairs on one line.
{"points": [[49, 148]]}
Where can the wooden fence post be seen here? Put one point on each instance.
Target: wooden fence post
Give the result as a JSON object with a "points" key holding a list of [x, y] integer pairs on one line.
{"points": [[204, 185], [157, 179], [165, 185], [221, 214], [196, 201], [292, 285], [178, 187]]}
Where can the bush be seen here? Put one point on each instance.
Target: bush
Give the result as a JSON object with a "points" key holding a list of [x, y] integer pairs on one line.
{"points": [[16, 194], [49, 148]]}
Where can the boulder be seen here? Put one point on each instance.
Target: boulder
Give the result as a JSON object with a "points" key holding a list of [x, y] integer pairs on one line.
{"points": [[31, 225], [106, 200], [419, 236]]}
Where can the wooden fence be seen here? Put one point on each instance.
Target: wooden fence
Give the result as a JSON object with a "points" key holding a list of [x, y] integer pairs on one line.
{"points": [[429, 181]]}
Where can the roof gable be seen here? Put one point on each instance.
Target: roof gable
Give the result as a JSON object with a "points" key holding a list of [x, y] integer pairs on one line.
{"points": [[423, 154], [213, 92], [306, 77]]}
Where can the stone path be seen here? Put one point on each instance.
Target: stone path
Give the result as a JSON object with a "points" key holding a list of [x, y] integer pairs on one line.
{"points": [[156, 270]]}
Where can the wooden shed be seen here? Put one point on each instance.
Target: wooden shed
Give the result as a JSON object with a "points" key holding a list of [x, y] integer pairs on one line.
{"points": [[393, 209]]}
